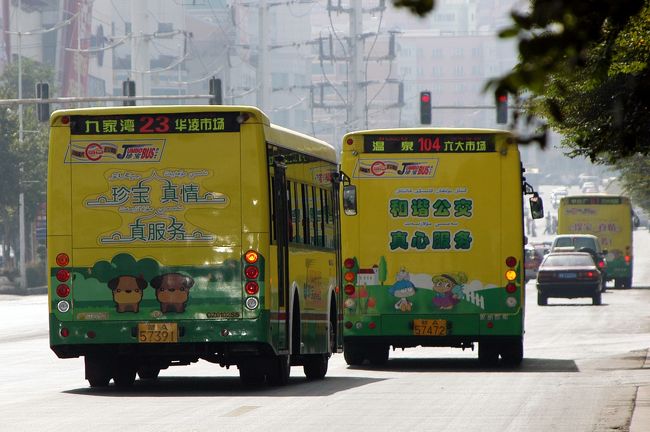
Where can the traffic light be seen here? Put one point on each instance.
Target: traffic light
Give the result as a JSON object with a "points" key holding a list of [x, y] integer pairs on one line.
{"points": [[425, 107], [128, 89], [43, 109], [215, 91], [501, 97]]}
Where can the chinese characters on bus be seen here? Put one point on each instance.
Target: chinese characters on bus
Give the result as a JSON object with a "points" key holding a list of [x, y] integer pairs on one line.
{"points": [[439, 217], [158, 202]]}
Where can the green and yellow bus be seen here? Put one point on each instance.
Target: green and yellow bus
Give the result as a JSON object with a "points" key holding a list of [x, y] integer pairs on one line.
{"points": [[179, 233], [608, 217], [432, 242]]}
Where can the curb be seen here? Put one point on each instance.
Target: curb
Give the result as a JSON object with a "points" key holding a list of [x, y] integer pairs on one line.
{"points": [[641, 415], [21, 292]]}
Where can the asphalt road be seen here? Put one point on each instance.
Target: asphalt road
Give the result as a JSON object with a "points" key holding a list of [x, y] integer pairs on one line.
{"points": [[584, 366]]}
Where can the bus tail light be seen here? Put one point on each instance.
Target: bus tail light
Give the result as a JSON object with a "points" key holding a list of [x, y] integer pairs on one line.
{"points": [[251, 257], [251, 272], [63, 290], [511, 275], [601, 264], [628, 259], [349, 276], [511, 261], [349, 289], [62, 259], [252, 288], [348, 263], [62, 275], [511, 288]]}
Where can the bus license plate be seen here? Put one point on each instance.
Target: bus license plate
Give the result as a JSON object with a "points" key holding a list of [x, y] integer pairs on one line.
{"points": [[430, 327], [157, 332]]}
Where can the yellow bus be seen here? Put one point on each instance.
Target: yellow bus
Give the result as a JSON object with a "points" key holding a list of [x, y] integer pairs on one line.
{"points": [[432, 242], [179, 233], [608, 217]]}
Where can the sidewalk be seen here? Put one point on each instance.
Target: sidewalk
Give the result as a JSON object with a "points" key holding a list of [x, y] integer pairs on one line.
{"points": [[12, 290], [641, 414]]}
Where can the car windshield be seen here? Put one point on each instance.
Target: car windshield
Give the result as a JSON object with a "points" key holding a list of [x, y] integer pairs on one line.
{"points": [[568, 261]]}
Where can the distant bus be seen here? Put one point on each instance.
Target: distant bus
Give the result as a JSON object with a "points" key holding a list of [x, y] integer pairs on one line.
{"points": [[608, 217], [179, 233], [433, 242]]}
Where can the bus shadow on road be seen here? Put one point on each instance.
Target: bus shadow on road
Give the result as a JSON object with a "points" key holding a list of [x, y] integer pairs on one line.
{"points": [[469, 365], [226, 386]]}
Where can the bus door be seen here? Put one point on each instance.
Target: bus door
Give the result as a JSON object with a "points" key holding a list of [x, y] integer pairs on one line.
{"points": [[280, 222]]}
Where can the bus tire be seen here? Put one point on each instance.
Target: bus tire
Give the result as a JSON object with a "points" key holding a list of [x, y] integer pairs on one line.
{"points": [[512, 353], [488, 354], [542, 300], [628, 282], [279, 370], [378, 355], [315, 366], [618, 283], [353, 354], [98, 371], [124, 373], [251, 373], [148, 372]]}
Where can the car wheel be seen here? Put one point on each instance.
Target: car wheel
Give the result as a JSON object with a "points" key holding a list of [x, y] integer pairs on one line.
{"points": [[541, 299], [597, 299]]}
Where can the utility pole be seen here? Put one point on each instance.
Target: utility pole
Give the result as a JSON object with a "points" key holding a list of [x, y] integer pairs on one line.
{"points": [[357, 89], [262, 58], [140, 47], [21, 140]]}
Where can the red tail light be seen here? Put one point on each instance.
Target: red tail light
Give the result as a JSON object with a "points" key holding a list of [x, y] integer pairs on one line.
{"points": [[348, 263], [511, 261], [62, 275], [510, 288], [62, 260], [628, 259], [63, 290], [601, 264], [349, 289], [252, 288], [349, 276], [251, 272]]}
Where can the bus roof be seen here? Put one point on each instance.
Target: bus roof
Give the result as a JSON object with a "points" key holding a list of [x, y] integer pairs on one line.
{"points": [[441, 130], [291, 139]]}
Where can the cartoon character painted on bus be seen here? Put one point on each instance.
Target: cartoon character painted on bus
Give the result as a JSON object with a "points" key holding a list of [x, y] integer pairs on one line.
{"points": [[448, 290], [403, 288], [127, 292]]}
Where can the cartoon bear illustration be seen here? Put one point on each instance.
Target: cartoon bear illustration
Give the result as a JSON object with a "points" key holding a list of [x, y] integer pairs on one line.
{"points": [[127, 292], [172, 291]]}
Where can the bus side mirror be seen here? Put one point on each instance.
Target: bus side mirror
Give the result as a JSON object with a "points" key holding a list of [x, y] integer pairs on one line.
{"points": [[536, 206], [350, 200]]}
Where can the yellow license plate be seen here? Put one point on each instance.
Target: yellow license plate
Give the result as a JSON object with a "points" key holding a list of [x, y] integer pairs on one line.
{"points": [[430, 327], [157, 332]]}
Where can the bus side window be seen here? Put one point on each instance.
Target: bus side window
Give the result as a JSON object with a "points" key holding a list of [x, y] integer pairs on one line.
{"points": [[290, 209], [305, 214], [328, 220]]}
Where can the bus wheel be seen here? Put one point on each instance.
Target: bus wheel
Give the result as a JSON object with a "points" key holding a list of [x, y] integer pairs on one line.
{"points": [[353, 354], [315, 366], [98, 371], [512, 353], [541, 299], [378, 355], [148, 372], [618, 283], [279, 370], [488, 354], [628, 282], [124, 373], [251, 373]]}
